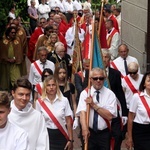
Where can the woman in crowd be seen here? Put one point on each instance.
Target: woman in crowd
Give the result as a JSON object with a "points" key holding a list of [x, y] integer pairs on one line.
{"points": [[57, 113], [38, 87], [139, 117]]}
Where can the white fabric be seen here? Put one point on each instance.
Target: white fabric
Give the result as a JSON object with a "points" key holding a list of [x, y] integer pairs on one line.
{"points": [[136, 106], [127, 90], [77, 5], [12, 15], [75, 123], [53, 4], [33, 123], [70, 38], [63, 111], [115, 42], [36, 3], [34, 76], [119, 62], [13, 137], [61, 5], [43, 11], [107, 100], [68, 6], [119, 21]]}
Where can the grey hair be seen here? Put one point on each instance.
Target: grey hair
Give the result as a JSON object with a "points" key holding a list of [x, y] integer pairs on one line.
{"points": [[97, 70], [107, 52], [41, 48]]}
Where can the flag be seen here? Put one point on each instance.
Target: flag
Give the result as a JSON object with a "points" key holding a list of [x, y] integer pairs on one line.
{"points": [[97, 57]]}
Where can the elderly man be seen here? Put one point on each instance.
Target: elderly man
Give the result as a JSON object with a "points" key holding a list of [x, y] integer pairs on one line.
{"points": [[131, 82], [103, 107], [123, 60]]}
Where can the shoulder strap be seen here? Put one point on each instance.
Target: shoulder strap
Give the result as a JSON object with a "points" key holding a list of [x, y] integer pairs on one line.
{"points": [[115, 67], [37, 67], [54, 119], [132, 88], [39, 89], [145, 104]]}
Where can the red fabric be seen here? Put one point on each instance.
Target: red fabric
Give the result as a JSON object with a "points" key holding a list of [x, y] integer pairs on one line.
{"points": [[37, 67], [62, 39], [39, 89], [115, 23], [62, 28], [103, 40], [83, 26], [33, 39]]}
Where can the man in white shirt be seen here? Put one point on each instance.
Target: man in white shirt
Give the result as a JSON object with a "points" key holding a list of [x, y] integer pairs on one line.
{"points": [[53, 4], [77, 5], [39, 65], [25, 116], [119, 63], [12, 137], [103, 107], [43, 10]]}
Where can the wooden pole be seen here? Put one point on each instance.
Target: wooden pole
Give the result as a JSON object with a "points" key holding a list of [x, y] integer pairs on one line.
{"points": [[89, 83]]}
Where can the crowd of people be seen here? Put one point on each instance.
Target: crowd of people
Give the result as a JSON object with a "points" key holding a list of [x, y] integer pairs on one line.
{"points": [[42, 107]]}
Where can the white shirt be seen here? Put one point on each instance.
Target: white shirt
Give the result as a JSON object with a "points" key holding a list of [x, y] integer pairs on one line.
{"points": [[13, 137], [77, 5], [68, 6], [34, 76], [61, 105], [136, 106], [119, 21], [119, 62], [70, 39], [107, 100], [43, 11], [61, 5], [127, 90], [53, 4], [12, 15], [33, 123], [115, 42]]}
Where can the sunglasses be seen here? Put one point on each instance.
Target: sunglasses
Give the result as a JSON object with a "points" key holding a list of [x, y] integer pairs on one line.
{"points": [[132, 72], [98, 78]]}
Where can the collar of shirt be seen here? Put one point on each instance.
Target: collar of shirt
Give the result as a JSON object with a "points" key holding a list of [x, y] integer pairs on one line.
{"points": [[43, 63], [56, 99], [144, 93], [93, 90], [107, 71]]}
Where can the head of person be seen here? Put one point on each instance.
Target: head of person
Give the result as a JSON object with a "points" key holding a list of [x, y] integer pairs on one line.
{"points": [[4, 108], [107, 11], [43, 22], [42, 54], [109, 24], [60, 51], [86, 64], [145, 83], [46, 72], [57, 19], [16, 22], [55, 28], [112, 8], [48, 30], [50, 22], [43, 2], [123, 51], [21, 92], [51, 14], [117, 12], [61, 73], [33, 3], [97, 77], [57, 10], [133, 70], [88, 18], [50, 87], [11, 32], [106, 57], [53, 38]]}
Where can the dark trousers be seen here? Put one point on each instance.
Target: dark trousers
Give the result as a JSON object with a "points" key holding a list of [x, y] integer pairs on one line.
{"points": [[99, 140], [141, 136]]}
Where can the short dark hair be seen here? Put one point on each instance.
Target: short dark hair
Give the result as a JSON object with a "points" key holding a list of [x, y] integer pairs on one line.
{"points": [[22, 82], [142, 84], [4, 99], [48, 71], [8, 30]]}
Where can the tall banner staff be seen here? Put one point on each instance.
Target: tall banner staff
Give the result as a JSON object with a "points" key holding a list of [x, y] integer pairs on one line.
{"points": [[89, 84]]}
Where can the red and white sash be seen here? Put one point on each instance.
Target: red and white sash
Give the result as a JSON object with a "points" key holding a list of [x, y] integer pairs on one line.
{"points": [[39, 88], [55, 118], [37, 68], [115, 67], [131, 86], [145, 104]]}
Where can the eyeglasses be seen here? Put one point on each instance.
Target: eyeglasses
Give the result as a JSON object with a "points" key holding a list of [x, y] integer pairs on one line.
{"points": [[135, 72], [98, 78]]}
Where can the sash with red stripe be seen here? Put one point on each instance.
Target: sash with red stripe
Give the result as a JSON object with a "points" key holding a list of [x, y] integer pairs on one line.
{"points": [[37, 67], [54, 119], [145, 104], [39, 89], [115, 67], [132, 88]]}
